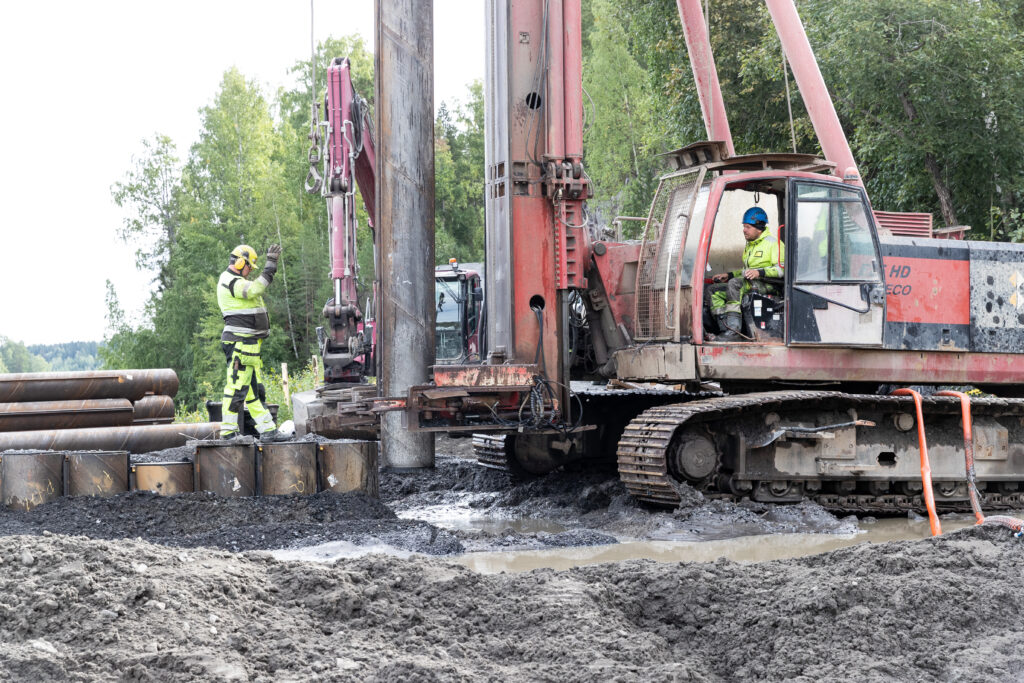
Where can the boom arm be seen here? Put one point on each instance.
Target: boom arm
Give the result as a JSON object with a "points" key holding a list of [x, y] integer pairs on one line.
{"points": [[349, 160], [805, 68]]}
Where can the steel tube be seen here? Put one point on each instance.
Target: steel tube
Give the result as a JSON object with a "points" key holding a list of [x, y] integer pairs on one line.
{"points": [[63, 386], [133, 438], [164, 478], [103, 412], [153, 409], [705, 74], [97, 474], [554, 91], [813, 90], [225, 469], [572, 56], [288, 468], [30, 479], [405, 200], [349, 465]]}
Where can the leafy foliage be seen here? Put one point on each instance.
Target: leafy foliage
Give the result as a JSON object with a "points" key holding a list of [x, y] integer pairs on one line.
{"points": [[69, 356], [16, 357], [242, 182]]}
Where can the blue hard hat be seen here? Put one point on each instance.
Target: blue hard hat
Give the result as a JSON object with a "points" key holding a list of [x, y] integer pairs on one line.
{"points": [[755, 216]]}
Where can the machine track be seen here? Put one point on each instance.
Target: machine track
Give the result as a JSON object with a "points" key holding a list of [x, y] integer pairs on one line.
{"points": [[643, 454]]}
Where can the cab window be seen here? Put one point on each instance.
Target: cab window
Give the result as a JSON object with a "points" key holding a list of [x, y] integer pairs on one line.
{"points": [[834, 239]]}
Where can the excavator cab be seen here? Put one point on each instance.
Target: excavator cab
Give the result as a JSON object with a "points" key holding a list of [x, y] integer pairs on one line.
{"points": [[833, 289]]}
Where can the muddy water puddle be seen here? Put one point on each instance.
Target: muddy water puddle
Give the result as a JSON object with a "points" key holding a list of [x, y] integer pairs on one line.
{"points": [[758, 548], [464, 518], [739, 548]]}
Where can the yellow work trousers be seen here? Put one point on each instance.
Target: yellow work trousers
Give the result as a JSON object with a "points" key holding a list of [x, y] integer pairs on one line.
{"points": [[244, 386]]}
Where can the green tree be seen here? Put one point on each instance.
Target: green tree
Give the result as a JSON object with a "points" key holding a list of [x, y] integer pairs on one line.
{"points": [[16, 357], [459, 185], [931, 89], [148, 193]]}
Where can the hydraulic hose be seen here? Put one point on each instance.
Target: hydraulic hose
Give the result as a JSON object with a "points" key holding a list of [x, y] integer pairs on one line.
{"points": [[926, 468], [1012, 523]]}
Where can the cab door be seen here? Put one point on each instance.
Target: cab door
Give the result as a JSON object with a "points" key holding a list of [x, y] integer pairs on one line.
{"points": [[836, 286]]}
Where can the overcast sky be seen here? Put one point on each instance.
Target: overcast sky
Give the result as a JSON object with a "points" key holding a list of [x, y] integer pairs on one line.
{"points": [[84, 82]]}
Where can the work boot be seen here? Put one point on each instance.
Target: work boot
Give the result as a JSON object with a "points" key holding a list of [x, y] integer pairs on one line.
{"points": [[273, 436], [730, 323]]}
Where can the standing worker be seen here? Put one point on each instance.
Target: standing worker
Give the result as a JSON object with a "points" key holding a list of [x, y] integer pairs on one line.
{"points": [[763, 257], [246, 325]]}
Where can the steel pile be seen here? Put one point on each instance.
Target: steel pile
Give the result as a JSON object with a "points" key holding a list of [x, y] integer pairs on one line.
{"points": [[228, 468]]}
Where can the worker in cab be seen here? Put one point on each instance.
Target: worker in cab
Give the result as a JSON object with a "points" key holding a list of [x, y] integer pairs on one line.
{"points": [[246, 325], [763, 259]]}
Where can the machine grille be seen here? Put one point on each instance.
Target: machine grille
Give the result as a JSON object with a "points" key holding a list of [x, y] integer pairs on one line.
{"points": [[657, 284]]}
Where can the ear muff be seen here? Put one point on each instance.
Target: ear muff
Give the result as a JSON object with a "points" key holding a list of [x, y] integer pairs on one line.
{"points": [[243, 254]]}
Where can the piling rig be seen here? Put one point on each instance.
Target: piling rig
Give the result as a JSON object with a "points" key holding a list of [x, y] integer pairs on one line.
{"points": [[600, 351]]}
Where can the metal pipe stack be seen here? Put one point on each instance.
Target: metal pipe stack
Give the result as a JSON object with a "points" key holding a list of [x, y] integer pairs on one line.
{"points": [[107, 410]]}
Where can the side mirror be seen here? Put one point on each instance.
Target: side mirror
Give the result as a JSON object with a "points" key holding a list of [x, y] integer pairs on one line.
{"points": [[478, 294]]}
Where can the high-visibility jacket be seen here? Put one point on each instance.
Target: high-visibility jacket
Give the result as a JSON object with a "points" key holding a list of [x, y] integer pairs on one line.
{"points": [[241, 304], [766, 254]]}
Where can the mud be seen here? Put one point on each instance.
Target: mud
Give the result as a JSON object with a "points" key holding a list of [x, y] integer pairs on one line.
{"points": [[237, 524], [592, 501], [143, 587], [90, 610]]}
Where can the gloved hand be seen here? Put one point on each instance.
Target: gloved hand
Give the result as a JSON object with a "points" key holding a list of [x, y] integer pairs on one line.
{"points": [[273, 254]]}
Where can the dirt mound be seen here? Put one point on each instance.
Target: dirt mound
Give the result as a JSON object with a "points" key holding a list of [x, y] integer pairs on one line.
{"points": [[238, 524], [934, 610]]}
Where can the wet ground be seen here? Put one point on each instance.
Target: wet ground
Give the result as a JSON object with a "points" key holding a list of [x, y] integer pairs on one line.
{"points": [[459, 574]]}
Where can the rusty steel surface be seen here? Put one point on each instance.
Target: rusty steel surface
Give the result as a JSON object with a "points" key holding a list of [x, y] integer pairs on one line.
{"points": [[484, 375], [32, 415], [702, 62], [405, 210], [225, 469], [98, 473], [30, 479], [349, 465], [748, 361], [62, 386], [813, 90], [153, 410], [288, 468], [164, 478], [133, 438]]}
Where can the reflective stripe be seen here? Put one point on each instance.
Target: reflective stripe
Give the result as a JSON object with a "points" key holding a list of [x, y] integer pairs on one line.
{"points": [[248, 311], [247, 323], [263, 278], [247, 331]]}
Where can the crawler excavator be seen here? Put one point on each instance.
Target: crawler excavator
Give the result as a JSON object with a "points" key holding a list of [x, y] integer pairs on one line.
{"points": [[790, 411]]}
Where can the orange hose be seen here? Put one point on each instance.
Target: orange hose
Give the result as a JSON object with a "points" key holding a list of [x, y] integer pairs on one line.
{"points": [[1011, 523], [926, 468], [965, 417]]}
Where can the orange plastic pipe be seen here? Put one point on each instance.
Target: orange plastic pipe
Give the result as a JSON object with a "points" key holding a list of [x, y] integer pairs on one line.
{"points": [[972, 488], [926, 468]]}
